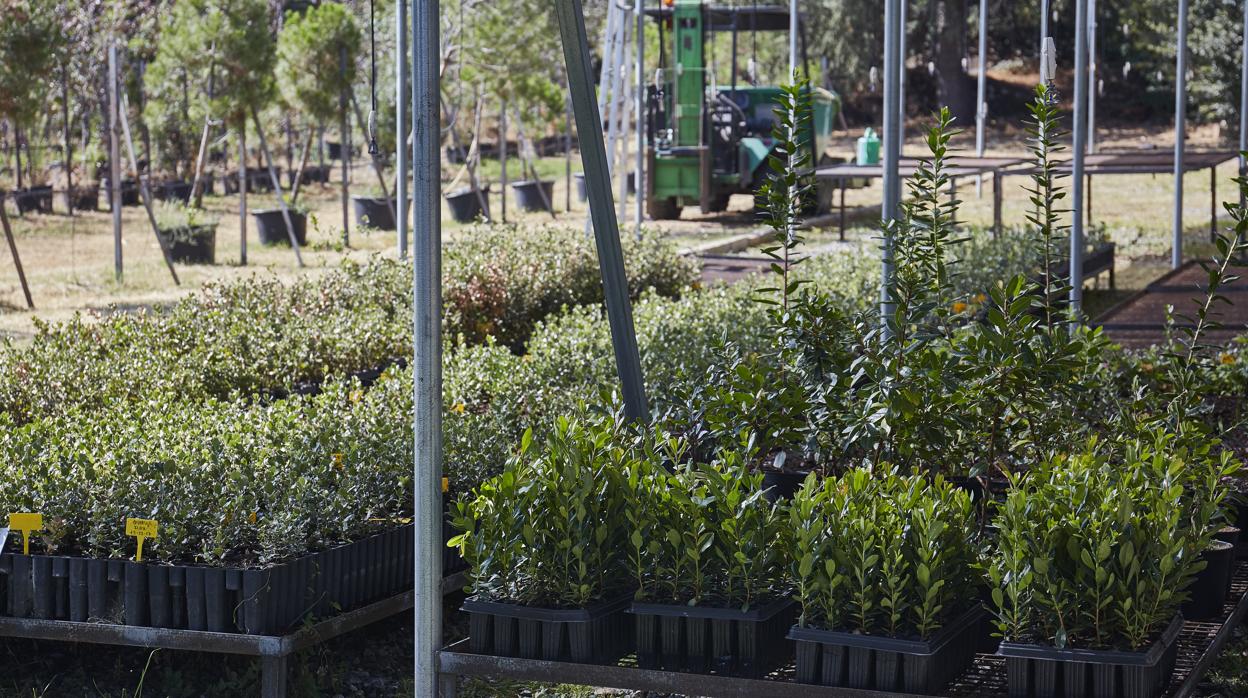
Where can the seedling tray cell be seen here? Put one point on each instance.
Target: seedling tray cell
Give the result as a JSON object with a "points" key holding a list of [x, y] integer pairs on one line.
{"points": [[834, 658], [723, 640], [596, 634]]}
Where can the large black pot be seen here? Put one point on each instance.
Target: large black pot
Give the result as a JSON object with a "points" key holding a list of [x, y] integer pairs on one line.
{"points": [[271, 227], [259, 180], [174, 191], [129, 192], [311, 174], [33, 199], [466, 205], [192, 244], [782, 485], [373, 212], [82, 198], [529, 195], [1208, 591], [334, 150]]}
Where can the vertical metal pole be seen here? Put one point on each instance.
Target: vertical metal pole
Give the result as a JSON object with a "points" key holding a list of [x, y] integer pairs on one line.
{"points": [[981, 89], [400, 129], [345, 151], [598, 183], [792, 39], [1077, 152], [427, 344], [502, 156], [901, 78], [17, 260], [1243, 102], [639, 166], [114, 159], [68, 151], [892, 148], [1180, 134], [1044, 24], [1092, 79]]}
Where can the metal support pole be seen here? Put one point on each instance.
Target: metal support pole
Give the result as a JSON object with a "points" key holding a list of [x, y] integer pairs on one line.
{"points": [[639, 165], [792, 38], [344, 150], [243, 181], [114, 159], [1243, 103], [502, 156], [901, 79], [1077, 152], [17, 260], [1092, 79], [892, 149], [1180, 134], [598, 183], [427, 344], [401, 129], [1044, 24], [277, 186], [981, 89]]}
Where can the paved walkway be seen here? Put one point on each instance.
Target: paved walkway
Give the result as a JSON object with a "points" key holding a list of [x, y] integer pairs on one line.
{"points": [[1140, 321]]}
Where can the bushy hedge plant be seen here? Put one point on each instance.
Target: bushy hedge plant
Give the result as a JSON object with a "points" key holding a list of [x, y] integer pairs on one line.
{"points": [[547, 531], [882, 553], [1096, 547], [705, 534]]}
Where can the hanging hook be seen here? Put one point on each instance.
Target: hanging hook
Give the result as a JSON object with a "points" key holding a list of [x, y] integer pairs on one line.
{"points": [[372, 82]]}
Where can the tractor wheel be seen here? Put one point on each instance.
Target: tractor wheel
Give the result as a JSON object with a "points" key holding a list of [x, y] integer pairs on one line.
{"points": [[664, 209]]}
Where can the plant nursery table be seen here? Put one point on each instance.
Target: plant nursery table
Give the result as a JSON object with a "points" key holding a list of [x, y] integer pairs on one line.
{"points": [[958, 166], [1198, 646]]}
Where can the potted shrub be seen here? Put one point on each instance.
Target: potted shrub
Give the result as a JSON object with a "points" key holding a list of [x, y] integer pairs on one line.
{"points": [[189, 233], [705, 553], [885, 570], [545, 546], [271, 225], [374, 211], [1095, 553]]}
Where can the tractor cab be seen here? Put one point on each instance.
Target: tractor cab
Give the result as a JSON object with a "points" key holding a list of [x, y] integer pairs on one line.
{"points": [[708, 141]]}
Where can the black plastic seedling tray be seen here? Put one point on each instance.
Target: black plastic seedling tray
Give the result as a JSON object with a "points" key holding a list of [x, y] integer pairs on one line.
{"points": [[1037, 671], [700, 639], [268, 601], [596, 634], [853, 660]]}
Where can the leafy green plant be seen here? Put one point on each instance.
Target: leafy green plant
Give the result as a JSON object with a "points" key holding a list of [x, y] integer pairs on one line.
{"points": [[549, 531], [1096, 548], [882, 553]]}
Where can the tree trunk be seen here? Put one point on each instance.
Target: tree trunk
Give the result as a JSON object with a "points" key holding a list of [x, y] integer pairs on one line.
{"points": [[954, 87]]}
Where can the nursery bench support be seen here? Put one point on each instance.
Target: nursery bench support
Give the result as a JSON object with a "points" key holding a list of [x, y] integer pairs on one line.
{"points": [[273, 651]]}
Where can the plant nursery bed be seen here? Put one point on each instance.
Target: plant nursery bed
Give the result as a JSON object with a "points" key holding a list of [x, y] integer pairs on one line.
{"points": [[1197, 645], [267, 601], [728, 640]]}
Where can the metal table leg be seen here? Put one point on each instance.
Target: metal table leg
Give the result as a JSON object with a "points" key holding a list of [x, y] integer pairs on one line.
{"points": [[842, 180], [273, 676]]}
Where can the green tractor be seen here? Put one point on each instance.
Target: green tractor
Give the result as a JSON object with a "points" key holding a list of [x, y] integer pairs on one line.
{"points": [[708, 141]]}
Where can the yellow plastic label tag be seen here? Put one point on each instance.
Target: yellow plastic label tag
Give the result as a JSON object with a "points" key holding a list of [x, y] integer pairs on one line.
{"points": [[142, 529], [446, 485], [338, 461], [27, 523]]}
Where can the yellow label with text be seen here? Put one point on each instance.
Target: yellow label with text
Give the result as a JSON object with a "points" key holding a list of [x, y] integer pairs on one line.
{"points": [[446, 485], [26, 523], [141, 529]]}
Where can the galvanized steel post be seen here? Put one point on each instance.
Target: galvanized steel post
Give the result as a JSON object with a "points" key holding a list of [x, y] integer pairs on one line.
{"points": [[1044, 23], [1092, 79], [1077, 153], [639, 169], [1180, 134], [901, 78], [981, 91], [892, 148], [1243, 102], [400, 129], [427, 344], [601, 207], [793, 38]]}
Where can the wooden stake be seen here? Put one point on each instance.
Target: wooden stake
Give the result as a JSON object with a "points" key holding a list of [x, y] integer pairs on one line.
{"points": [[145, 192], [303, 163], [197, 190], [17, 261], [277, 187]]}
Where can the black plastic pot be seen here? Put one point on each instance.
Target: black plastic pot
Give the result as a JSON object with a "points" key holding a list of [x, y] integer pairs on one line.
{"points": [[82, 198], [597, 634], [466, 205], [334, 150], [174, 191], [1207, 594], [33, 199], [852, 660], [1239, 504], [129, 192], [373, 212], [311, 174], [271, 227], [1038, 671], [192, 245], [270, 601], [529, 195], [782, 485], [259, 180], [727, 641]]}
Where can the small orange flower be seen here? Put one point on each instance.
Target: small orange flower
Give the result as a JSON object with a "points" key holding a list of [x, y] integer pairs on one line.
{"points": [[252, 517], [1227, 359], [959, 307], [979, 299], [1146, 367]]}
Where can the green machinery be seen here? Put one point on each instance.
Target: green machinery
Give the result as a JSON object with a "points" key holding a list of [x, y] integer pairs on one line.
{"points": [[707, 141]]}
